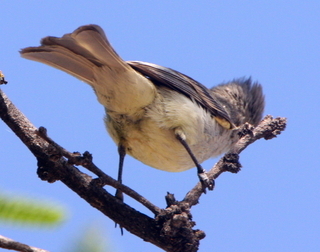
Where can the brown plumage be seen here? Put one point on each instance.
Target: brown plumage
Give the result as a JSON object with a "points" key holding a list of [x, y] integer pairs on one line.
{"points": [[161, 117]]}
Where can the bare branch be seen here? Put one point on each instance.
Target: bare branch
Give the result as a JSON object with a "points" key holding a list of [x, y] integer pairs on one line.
{"points": [[268, 128], [52, 169], [171, 229], [86, 161], [8, 243]]}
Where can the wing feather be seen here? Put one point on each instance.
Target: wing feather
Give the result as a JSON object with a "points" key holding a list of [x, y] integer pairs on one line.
{"points": [[181, 83]]}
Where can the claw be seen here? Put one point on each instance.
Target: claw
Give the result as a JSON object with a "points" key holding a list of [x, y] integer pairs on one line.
{"points": [[206, 182]]}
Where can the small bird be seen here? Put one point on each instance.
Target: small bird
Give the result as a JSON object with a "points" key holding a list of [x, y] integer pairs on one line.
{"points": [[157, 115]]}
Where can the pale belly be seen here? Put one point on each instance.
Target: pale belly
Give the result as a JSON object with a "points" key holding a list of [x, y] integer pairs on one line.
{"points": [[160, 149], [149, 135], [163, 151]]}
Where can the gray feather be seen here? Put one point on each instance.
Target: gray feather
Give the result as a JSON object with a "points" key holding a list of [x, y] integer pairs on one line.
{"points": [[243, 100]]}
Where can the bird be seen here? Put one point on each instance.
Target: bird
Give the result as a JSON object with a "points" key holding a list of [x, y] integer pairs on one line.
{"points": [[159, 116]]}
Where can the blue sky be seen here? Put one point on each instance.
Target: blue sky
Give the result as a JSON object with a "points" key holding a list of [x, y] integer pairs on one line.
{"points": [[271, 205]]}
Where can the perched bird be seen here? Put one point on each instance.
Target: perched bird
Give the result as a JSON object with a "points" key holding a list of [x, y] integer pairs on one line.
{"points": [[159, 116]]}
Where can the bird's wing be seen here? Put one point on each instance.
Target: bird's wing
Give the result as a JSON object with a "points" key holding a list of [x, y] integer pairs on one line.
{"points": [[163, 76]]}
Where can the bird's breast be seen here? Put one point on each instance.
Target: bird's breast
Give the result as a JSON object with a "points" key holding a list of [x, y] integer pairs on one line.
{"points": [[151, 138]]}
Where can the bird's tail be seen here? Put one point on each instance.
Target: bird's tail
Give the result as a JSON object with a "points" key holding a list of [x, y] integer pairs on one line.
{"points": [[243, 100], [87, 54], [76, 53]]}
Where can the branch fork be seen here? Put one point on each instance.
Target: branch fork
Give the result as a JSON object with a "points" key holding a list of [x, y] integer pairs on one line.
{"points": [[172, 227]]}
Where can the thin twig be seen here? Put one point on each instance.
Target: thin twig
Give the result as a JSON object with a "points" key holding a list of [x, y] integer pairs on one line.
{"points": [[85, 160], [165, 230], [132, 220], [8, 243], [268, 128]]}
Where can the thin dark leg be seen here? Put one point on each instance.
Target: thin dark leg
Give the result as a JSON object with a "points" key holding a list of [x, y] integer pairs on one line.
{"points": [[205, 181], [122, 154]]}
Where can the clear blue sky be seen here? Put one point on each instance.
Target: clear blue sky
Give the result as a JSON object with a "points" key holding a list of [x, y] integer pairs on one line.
{"points": [[271, 205]]}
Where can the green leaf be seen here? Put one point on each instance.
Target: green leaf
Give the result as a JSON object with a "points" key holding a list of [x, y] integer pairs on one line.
{"points": [[20, 210]]}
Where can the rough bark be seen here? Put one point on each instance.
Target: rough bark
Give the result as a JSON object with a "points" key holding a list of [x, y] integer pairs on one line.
{"points": [[172, 228]]}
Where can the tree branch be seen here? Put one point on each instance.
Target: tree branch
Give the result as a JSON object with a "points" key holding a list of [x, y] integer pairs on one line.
{"points": [[8, 243], [85, 160], [87, 188], [171, 229], [268, 128]]}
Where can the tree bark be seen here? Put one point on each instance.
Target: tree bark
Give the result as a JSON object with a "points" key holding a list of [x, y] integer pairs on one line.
{"points": [[172, 228]]}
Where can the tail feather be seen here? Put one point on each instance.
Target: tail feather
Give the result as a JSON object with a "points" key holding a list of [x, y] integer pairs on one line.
{"points": [[77, 53], [72, 45], [63, 59], [93, 38], [87, 54]]}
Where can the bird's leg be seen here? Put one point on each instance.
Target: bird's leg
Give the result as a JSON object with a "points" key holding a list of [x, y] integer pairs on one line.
{"points": [[203, 177], [122, 154]]}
